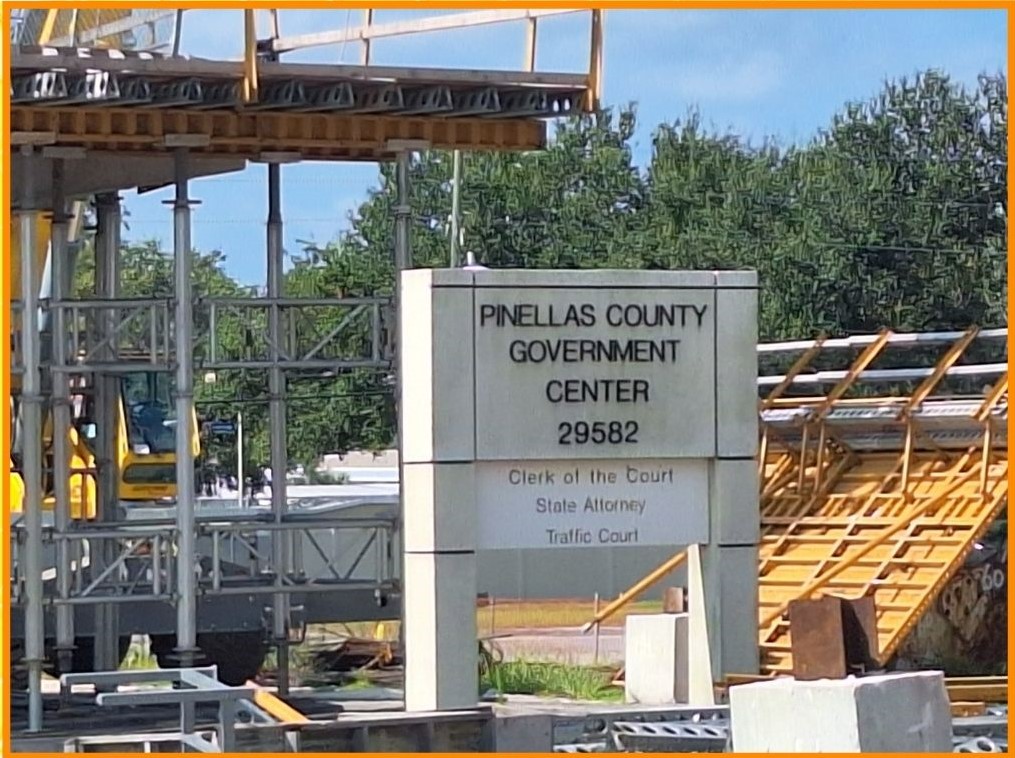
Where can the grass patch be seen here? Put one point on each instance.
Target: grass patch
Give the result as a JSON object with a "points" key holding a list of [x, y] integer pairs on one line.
{"points": [[551, 680], [138, 658]]}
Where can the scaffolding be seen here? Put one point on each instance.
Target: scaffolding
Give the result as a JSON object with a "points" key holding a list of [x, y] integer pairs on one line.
{"points": [[94, 86]]}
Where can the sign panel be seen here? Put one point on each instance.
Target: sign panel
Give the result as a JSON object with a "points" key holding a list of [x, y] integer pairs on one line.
{"points": [[222, 428], [594, 373], [589, 503]]}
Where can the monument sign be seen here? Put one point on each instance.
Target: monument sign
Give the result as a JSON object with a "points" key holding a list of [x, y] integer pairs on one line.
{"points": [[562, 410]]}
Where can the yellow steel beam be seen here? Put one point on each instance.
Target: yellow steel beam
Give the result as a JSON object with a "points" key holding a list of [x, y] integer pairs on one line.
{"points": [[869, 354], [247, 134], [929, 384], [48, 26], [276, 30], [903, 522], [999, 390], [637, 589], [798, 366], [368, 25], [530, 43], [595, 91], [250, 80], [438, 23], [280, 710]]}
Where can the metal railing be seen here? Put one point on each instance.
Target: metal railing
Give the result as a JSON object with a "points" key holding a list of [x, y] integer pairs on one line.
{"points": [[235, 559], [316, 333], [191, 686]]}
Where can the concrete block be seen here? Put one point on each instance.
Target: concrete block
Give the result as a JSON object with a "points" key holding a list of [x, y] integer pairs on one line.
{"points": [[610, 278], [736, 392], [722, 585], [736, 279], [441, 649], [733, 502], [436, 345], [656, 658], [439, 507], [523, 733], [893, 713], [731, 576], [702, 632]]}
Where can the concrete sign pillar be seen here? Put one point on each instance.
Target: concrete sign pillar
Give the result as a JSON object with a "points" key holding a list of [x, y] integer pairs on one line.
{"points": [[573, 409]]}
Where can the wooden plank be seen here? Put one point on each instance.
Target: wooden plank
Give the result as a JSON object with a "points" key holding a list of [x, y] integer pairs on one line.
{"points": [[318, 136]]}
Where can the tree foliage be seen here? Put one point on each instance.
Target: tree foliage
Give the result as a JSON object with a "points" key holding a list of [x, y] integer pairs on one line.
{"points": [[894, 216]]}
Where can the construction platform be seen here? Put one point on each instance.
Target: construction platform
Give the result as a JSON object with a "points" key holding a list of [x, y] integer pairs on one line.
{"points": [[138, 104]]}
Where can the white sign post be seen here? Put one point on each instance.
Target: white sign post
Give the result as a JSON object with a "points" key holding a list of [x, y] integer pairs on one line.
{"points": [[571, 409]]}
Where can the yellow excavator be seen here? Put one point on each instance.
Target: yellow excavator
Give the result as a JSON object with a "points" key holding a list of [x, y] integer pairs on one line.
{"points": [[145, 437]]}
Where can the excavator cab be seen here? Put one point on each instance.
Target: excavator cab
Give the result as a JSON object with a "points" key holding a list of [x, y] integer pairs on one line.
{"points": [[148, 436]]}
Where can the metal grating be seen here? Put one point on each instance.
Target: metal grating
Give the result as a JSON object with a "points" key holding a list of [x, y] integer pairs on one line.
{"points": [[118, 79]]}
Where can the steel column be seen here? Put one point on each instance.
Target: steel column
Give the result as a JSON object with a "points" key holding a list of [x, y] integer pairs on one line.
{"points": [[107, 277], [59, 266], [277, 422], [456, 194], [403, 214], [186, 554], [31, 461]]}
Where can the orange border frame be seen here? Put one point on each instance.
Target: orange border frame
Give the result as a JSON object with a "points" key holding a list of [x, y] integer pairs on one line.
{"points": [[1009, 5]]}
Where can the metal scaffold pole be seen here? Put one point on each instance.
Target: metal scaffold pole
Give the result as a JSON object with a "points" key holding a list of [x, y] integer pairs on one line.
{"points": [[186, 555], [60, 266], [403, 214], [31, 465], [277, 418], [107, 278], [456, 194]]}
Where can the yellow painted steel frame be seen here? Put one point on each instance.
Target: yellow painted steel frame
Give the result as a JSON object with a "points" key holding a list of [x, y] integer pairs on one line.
{"points": [[896, 525], [370, 31]]}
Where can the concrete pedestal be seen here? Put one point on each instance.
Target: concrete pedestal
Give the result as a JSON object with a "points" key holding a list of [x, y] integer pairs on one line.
{"points": [[441, 651], [655, 659], [894, 713]]}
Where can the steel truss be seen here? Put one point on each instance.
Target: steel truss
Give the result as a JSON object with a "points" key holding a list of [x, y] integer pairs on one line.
{"points": [[171, 119], [876, 479], [881, 495]]}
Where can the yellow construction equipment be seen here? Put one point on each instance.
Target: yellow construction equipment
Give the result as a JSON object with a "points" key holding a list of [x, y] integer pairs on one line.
{"points": [[145, 441]]}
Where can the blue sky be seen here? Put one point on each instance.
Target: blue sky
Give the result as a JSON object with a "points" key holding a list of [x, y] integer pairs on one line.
{"points": [[757, 73]]}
